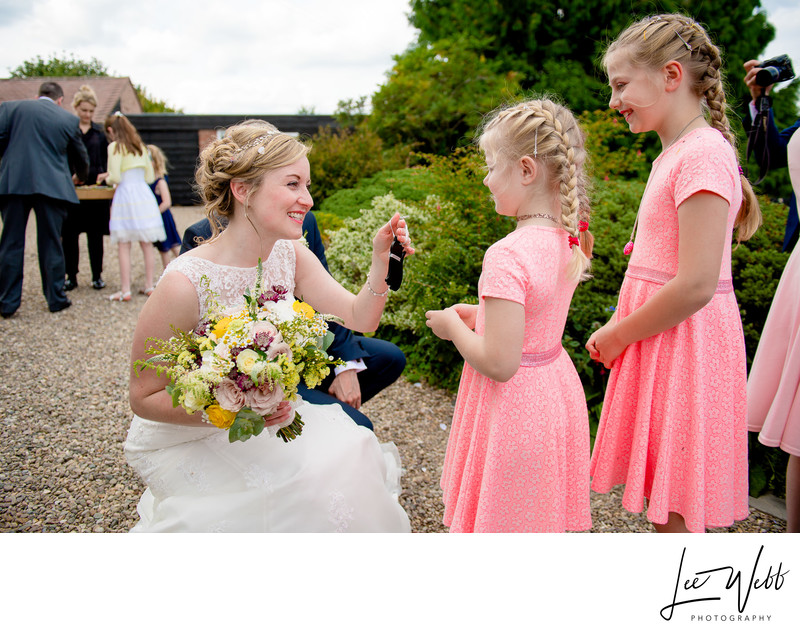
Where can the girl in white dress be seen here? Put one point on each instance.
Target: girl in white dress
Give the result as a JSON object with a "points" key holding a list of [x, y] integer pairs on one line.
{"points": [[134, 210], [335, 476]]}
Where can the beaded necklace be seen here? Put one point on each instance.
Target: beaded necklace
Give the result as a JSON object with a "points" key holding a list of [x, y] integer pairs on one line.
{"points": [[539, 215]]}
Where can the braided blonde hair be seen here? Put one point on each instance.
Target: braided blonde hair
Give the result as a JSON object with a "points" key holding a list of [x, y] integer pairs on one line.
{"points": [[653, 42], [246, 152], [549, 133]]}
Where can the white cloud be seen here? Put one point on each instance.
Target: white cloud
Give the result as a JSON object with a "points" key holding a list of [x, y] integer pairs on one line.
{"points": [[246, 56], [268, 56]]}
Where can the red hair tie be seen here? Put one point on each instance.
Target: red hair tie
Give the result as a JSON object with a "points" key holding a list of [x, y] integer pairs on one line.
{"points": [[583, 226], [573, 241]]}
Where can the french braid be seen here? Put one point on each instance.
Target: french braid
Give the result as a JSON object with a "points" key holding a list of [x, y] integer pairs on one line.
{"points": [[656, 40], [549, 133]]}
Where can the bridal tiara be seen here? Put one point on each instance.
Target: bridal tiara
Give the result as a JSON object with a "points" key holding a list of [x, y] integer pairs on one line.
{"points": [[257, 142]]}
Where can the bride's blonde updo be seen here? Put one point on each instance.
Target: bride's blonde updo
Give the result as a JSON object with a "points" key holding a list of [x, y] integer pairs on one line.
{"points": [[246, 152]]}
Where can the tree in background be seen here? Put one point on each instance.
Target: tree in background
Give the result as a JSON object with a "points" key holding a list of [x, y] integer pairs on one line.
{"points": [[71, 66], [525, 35], [470, 55], [437, 94]]}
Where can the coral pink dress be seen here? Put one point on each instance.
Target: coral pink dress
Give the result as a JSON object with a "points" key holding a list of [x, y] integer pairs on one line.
{"points": [[673, 426], [518, 453], [773, 388]]}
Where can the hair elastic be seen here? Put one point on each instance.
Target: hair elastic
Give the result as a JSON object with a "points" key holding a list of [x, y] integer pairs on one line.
{"points": [[583, 226], [573, 241]]}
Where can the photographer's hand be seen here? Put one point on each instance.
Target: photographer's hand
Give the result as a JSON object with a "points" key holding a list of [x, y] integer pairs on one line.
{"points": [[756, 90]]}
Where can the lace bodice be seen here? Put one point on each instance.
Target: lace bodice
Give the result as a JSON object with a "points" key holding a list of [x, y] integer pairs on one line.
{"points": [[229, 283]]}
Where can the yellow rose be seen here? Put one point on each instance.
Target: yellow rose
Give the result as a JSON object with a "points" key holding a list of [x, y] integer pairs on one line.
{"points": [[303, 307], [221, 327], [246, 361], [220, 417]]}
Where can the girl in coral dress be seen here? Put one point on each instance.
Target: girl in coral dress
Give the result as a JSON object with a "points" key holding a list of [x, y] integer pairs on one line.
{"points": [[773, 387], [518, 454], [673, 426]]}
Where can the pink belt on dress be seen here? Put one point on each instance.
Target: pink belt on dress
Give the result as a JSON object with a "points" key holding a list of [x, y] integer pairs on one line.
{"points": [[531, 360], [662, 278]]}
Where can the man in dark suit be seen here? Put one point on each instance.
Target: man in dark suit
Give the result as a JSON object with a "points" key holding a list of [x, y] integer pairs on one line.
{"points": [[40, 144], [372, 364]]}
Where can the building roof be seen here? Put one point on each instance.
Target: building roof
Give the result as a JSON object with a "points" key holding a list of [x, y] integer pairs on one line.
{"points": [[113, 93]]}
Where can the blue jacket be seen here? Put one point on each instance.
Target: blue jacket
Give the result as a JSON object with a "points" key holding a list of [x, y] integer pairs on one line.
{"points": [[776, 142]]}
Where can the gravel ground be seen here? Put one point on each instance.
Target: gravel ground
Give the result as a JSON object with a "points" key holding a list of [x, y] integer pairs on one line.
{"points": [[64, 414]]}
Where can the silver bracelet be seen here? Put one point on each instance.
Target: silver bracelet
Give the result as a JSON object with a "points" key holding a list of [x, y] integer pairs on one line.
{"points": [[375, 293]]}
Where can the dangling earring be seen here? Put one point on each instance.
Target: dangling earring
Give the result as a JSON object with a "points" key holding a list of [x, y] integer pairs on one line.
{"points": [[535, 142], [246, 216]]}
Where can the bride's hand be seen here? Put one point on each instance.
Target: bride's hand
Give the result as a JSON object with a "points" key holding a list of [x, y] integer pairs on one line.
{"points": [[281, 415], [385, 235]]}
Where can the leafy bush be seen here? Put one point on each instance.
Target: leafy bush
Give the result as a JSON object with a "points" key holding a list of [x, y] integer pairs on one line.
{"points": [[407, 184], [450, 238], [436, 95], [341, 157], [614, 151]]}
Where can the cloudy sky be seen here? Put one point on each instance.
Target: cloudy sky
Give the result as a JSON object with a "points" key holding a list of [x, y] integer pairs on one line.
{"points": [[245, 56]]}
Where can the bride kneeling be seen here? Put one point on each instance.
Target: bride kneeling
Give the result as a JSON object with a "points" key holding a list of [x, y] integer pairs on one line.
{"points": [[335, 476]]}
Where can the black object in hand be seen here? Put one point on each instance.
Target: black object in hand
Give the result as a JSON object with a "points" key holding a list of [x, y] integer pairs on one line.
{"points": [[396, 255]]}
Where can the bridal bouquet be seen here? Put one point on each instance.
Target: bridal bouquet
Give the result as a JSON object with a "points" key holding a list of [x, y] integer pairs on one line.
{"points": [[238, 367]]}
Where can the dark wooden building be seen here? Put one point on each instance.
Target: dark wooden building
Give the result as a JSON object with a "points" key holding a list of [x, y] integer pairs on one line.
{"points": [[182, 136]]}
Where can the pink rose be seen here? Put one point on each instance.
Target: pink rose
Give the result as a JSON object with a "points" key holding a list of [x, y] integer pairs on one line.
{"points": [[264, 399], [229, 395], [263, 326], [279, 348]]}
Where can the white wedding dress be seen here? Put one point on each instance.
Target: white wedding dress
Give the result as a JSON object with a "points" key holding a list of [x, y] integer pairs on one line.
{"points": [[335, 477]]}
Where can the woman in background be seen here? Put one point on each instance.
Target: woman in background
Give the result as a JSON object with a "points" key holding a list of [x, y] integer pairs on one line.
{"points": [[92, 215]]}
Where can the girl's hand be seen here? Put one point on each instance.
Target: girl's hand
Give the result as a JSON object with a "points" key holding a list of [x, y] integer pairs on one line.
{"points": [[467, 313], [442, 322], [604, 344], [101, 177], [281, 415]]}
